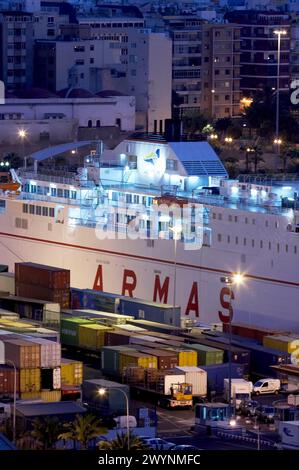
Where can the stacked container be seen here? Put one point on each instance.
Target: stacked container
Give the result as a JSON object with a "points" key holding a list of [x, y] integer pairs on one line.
{"points": [[7, 376], [95, 300], [134, 358], [42, 282], [206, 355], [251, 332], [110, 358], [92, 336], [153, 311], [197, 378], [287, 344], [165, 359], [69, 330], [71, 372]]}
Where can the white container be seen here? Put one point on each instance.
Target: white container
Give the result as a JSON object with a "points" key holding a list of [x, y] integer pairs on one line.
{"points": [[170, 380], [289, 434], [57, 378], [7, 283], [197, 377], [50, 352], [7, 315]]}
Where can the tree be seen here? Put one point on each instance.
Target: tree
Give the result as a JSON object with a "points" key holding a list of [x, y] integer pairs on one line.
{"points": [[121, 443], [193, 122], [46, 431], [83, 429], [232, 166], [222, 124], [288, 153]]}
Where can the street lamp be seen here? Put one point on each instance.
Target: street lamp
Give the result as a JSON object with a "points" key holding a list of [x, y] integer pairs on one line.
{"points": [[22, 134], [213, 136], [177, 230], [103, 391], [278, 33], [228, 140], [229, 281]]}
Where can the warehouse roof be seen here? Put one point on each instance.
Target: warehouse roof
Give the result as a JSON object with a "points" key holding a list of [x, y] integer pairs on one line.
{"points": [[48, 409]]}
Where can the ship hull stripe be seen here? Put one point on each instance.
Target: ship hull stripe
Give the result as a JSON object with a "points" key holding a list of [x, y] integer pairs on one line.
{"points": [[146, 258]]}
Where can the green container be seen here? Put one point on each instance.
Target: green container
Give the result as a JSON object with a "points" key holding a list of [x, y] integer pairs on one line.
{"points": [[206, 355], [110, 358], [69, 330]]}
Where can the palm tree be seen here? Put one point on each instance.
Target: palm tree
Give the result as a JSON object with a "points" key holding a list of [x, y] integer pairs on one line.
{"points": [[83, 429], [46, 431], [288, 153], [121, 443]]}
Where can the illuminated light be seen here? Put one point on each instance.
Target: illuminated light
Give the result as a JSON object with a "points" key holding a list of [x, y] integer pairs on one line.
{"points": [[285, 188], [127, 168], [2, 164], [87, 160], [280, 32], [277, 141], [52, 185], [232, 422], [213, 91], [22, 133], [122, 156], [237, 279], [102, 392], [273, 88], [263, 193], [254, 192], [235, 189], [7, 163], [228, 140], [246, 102], [73, 152], [32, 183]]}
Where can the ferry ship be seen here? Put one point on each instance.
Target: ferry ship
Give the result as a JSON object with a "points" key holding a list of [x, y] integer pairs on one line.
{"points": [[99, 223]]}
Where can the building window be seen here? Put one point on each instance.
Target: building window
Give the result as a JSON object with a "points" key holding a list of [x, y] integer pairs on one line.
{"points": [[267, 223], [60, 192], [79, 48], [51, 32], [25, 208], [237, 240], [172, 165], [246, 220], [269, 245], [92, 60], [98, 123], [214, 213], [89, 124], [287, 248], [219, 237], [261, 244], [38, 210], [219, 216], [252, 243], [133, 72], [92, 47], [244, 242], [295, 250], [51, 212], [230, 218], [45, 211], [278, 247], [228, 238], [79, 61]]}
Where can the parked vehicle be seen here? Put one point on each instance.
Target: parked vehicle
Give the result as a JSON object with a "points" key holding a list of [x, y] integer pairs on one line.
{"points": [[265, 414], [248, 407], [240, 390], [159, 444], [184, 448], [267, 386]]}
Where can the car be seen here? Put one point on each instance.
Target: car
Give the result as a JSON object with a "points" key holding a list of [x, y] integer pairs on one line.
{"points": [[269, 385], [265, 414], [158, 444], [248, 408], [184, 448]]}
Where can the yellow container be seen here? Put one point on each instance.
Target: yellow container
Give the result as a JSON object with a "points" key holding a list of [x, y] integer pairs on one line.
{"points": [[50, 396], [30, 396], [71, 372], [288, 344], [92, 336], [187, 358], [17, 324], [30, 380], [137, 359]]}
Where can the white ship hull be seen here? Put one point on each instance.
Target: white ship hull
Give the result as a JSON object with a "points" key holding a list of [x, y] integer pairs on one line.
{"points": [[269, 258]]}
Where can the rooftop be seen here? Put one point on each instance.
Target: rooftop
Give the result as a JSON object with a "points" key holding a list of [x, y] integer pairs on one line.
{"points": [[49, 409]]}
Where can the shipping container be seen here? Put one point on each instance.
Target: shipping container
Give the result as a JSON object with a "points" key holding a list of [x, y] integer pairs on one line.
{"points": [[30, 396], [287, 344], [42, 275], [152, 311], [110, 358], [30, 380], [24, 354], [41, 311], [50, 352], [117, 338], [155, 326], [112, 403], [94, 300], [7, 315], [131, 329], [7, 283], [51, 379], [71, 372], [36, 292], [165, 359], [69, 330], [206, 355], [134, 358], [197, 377], [71, 393], [92, 336], [44, 333], [7, 377], [51, 396], [186, 357], [218, 372], [108, 318], [251, 332]]}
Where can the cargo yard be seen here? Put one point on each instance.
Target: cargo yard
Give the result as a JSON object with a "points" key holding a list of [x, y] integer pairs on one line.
{"points": [[65, 345]]}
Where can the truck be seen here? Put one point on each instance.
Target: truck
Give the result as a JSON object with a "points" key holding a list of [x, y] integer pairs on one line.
{"points": [[289, 434], [241, 391]]}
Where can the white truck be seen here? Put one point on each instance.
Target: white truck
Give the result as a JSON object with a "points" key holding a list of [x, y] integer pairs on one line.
{"points": [[289, 434], [240, 391]]}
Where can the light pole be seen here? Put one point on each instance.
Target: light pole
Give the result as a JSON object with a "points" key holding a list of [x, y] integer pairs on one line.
{"points": [[103, 391], [177, 230], [278, 33], [22, 134], [229, 281]]}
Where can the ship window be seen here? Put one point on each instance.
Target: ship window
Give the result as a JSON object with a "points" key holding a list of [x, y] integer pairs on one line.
{"points": [[171, 165], [60, 192], [38, 210], [73, 195], [24, 223], [45, 211], [39, 190], [53, 192], [246, 220], [46, 190], [18, 222], [214, 215], [31, 209], [219, 237], [136, 199], [67, 193], [261, 244], [278, 247], [230, 218], [244, 242], [287, 248], [33, 188], [27, 188], [114, 196], [267, 223], [219, 216], [25, 208], [51, 212], [295, 250], [252, 243], [269, 245], [236, 218], [276, 224], [228, 238], [253, 221], [237, 240], [128, 198]]}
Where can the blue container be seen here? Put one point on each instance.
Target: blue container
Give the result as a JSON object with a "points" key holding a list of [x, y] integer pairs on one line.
{"points": [[218, 372], [94, 300], [152, 311]]}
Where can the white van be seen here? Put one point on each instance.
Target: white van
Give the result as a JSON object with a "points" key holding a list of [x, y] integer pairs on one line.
{"points": [[266, 386]]}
